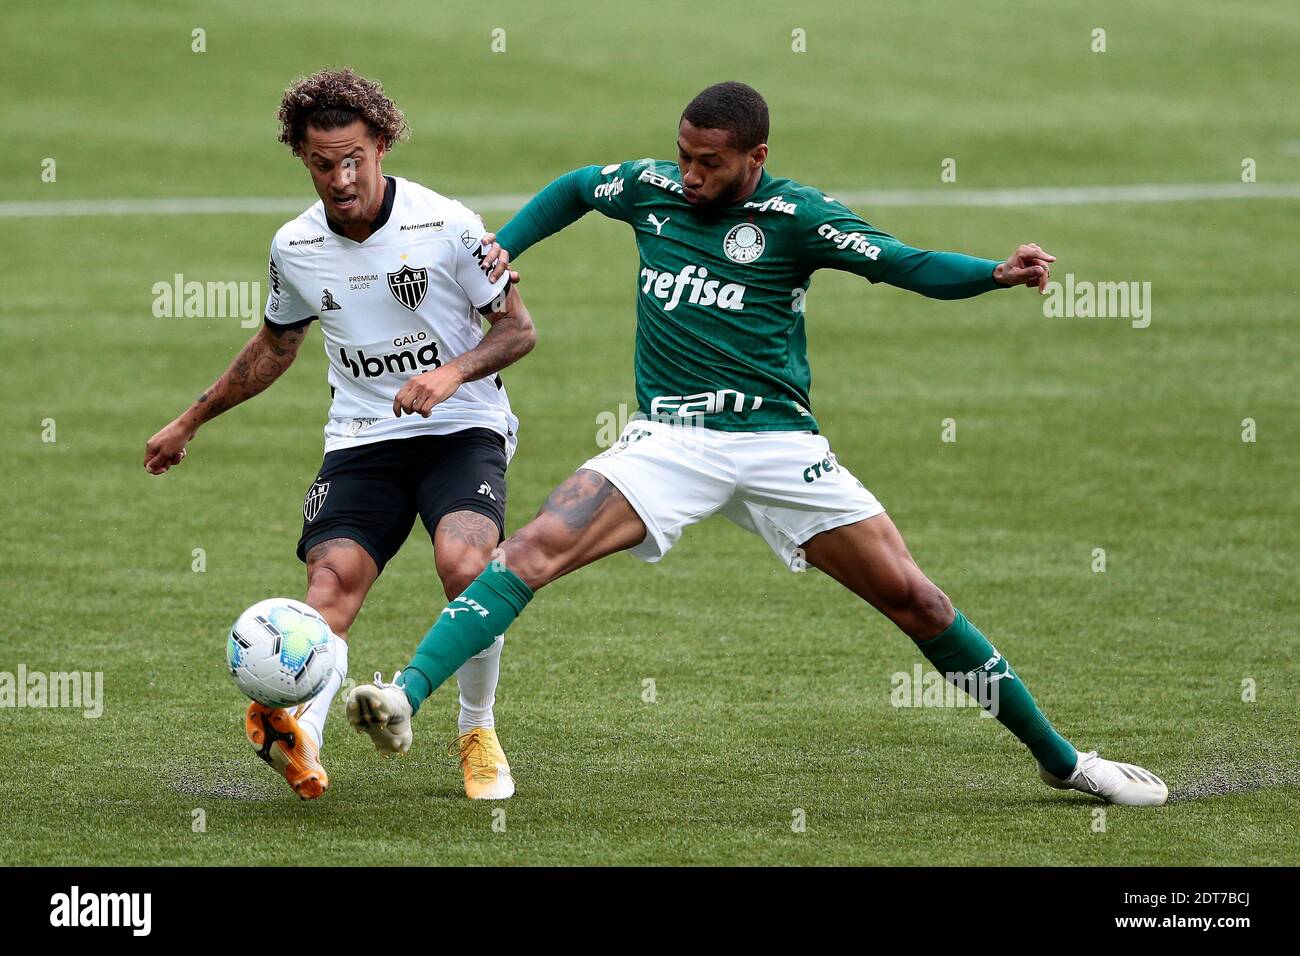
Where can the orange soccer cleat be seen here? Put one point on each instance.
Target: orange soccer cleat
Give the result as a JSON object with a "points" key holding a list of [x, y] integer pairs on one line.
{"points": [[282, 743]]}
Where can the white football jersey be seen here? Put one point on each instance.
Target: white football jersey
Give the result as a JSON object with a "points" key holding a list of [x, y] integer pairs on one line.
{"points": [[403, 302]]}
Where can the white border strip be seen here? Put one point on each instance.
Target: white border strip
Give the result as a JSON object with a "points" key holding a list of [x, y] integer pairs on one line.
{"points": [[868, 198]]}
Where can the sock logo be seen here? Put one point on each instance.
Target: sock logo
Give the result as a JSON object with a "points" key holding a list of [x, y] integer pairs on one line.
{"points": [[987, 668], [471, 605]]}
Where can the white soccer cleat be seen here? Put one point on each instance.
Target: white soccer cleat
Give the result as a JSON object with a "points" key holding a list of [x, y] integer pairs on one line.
{"points": [[1121, 783], [382, 711]]}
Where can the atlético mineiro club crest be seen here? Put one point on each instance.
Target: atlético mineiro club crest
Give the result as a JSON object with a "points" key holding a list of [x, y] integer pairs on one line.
{"points": [[408, 286], [315, 498]]}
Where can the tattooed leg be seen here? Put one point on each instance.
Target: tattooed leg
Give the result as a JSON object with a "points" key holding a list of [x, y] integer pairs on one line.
{"points": [[462, 545], [583, 520]]}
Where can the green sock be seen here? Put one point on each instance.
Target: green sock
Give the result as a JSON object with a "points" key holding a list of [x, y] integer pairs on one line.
{"points": [[965, 656], [466, 626]]}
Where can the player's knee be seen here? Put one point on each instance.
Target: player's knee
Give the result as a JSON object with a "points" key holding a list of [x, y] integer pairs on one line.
{"points": [[533, 556], [929, 611], [459, 573], [334, 578]]}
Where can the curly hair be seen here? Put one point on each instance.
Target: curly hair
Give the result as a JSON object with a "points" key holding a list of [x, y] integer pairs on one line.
{"points": [[333, 98]]}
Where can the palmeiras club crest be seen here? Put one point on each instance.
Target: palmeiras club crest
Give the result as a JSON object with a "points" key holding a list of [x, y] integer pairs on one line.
{"points": [[408, 286], [315, 498]]}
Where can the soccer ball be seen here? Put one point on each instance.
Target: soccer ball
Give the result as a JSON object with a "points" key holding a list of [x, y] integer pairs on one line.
{"points": [[280, 652]]}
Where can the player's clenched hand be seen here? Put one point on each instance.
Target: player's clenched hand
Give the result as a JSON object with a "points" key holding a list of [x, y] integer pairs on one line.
{"points": [[1028, 266], [495, 259], [421, 393], [166, 448]]}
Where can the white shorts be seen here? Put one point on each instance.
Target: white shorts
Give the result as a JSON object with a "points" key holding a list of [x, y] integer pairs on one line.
{"points": [[783, 486]]}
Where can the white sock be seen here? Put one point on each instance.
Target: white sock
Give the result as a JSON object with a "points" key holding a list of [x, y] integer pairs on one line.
{"points": [[477, 678], [313, 718]]}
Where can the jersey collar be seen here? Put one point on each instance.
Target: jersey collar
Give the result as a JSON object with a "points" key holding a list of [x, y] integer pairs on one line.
{"points": [[385, 210]]}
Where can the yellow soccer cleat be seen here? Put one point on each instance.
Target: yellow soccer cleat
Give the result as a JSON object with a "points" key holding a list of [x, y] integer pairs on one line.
{"points": [[290, 751], [487, 772]]}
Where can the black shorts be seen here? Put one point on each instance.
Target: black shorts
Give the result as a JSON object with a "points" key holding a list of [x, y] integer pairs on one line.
{"points": [[372, 493]]}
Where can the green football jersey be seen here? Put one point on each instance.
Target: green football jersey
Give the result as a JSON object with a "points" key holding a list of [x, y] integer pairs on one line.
{"points": [[720, 333]]}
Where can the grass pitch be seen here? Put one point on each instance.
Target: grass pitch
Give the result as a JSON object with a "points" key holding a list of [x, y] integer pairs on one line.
{"points": [[772, 689]]}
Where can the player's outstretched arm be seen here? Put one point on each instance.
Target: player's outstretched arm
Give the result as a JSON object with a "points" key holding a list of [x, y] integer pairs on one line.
{"points": [[259, 363], [953, 275], [561, 203], [511, 337]]}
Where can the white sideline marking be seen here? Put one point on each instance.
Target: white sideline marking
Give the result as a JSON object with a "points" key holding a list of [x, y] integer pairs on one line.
{"points": [[867, 198]]}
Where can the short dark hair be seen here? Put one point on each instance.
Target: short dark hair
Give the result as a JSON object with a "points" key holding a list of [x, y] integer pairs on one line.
{"points": [[735, 107], [333, 98]]}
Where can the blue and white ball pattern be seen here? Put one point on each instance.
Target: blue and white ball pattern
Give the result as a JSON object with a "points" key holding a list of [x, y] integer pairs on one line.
{"points": [[280, 652]]}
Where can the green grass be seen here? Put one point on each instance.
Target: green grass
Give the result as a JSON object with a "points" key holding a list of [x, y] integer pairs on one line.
{"points": [[773, 688]]}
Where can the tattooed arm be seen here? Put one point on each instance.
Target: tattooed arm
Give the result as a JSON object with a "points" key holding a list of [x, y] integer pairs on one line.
{"points": [[511, 337], [259, 363]]}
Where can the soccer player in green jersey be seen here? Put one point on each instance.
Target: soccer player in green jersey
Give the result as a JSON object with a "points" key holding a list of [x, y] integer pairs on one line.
{"points": [[726, 425]]}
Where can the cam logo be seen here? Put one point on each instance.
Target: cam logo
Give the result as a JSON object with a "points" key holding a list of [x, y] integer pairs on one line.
{"points": [[610, 190], [775, 204], [817, 469], [849, 240], [408, 286], [311, 504], [703, 290], [705, 403], [743, 243]]}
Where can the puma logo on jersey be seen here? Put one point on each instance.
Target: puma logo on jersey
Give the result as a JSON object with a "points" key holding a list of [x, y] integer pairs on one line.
{"points": [[485, 489], [654, 221]]}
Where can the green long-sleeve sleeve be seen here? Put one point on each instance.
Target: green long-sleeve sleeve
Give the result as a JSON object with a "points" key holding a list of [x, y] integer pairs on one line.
{"points": [[561, 203], [855, 245], [940, 275]]}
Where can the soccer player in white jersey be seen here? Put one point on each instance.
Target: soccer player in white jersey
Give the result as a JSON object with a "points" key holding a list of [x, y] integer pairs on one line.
{"points": [[419, 422]]}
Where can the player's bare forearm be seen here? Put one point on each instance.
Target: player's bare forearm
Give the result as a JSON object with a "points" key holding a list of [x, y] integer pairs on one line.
{"points": [[511, 337], [262, 360]]}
